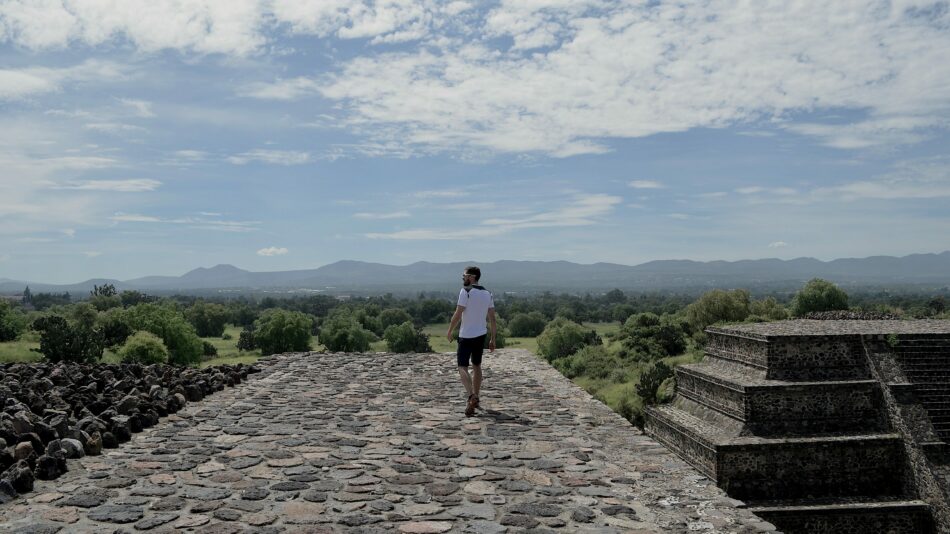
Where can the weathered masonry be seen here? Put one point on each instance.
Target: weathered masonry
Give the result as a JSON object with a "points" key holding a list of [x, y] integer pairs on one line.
{"points": [[821, 426]]}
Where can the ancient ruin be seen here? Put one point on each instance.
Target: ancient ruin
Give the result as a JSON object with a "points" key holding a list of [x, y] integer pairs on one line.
{"points": [[821, 426]]}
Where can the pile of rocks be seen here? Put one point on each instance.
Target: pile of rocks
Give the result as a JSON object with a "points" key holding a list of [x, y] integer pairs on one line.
{"points": [[54, 412], [850, 315]]}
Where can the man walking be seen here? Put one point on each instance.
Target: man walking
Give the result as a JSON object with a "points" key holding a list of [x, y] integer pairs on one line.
{"points": [[475, 305]]}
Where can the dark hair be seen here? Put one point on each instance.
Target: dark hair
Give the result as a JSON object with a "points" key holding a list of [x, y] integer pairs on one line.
{"points": [[471, 269]]}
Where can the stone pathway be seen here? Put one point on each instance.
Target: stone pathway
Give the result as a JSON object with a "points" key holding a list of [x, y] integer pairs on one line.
{"points": [[378, 443]]}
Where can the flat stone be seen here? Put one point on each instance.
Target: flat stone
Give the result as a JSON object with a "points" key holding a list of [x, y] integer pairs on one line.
{"points": [[425, 527], [518, 520], [206, 494], [302, 513], [479, 487], [44, 498], [260, 519], [116, 513], [191, 521], [535, 509], [474, 511], [67, 514], [155, 520], [162, 479]]}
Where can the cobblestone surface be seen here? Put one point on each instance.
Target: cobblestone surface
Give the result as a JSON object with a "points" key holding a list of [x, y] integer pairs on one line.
{"points": [[378, 443]]}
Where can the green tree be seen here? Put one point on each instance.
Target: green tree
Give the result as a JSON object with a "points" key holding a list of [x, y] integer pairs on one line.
{"points": [[592, 361], [61, 341], [647, 336], [718, 306], [527, 324], [208, 319], [166, 322], [393, 316], [27, 296], [144, 347], [767, 309], [12, 322], [104, 297], [817, 296], [562, 337], [280, 330], [115, 327], [406, 338], [130, 298], [651, 380], [247, 342], [341, 332]]}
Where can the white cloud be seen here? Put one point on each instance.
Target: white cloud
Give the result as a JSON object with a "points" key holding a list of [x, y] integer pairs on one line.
{"points": [[273, 157], [281, 89], [202, 26], [139, 108], [22, 83], [440, 194], [645, 184], [69, 232], [92, 253], [192, 222], [680, 216], [778, 244], [123, 186], [750, 190], [390, 215], [272, 251], [685, 66], [583, 210], [113, 128]]}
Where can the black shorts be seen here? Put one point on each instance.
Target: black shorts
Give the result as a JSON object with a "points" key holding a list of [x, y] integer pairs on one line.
{"points": [[471, 347]]}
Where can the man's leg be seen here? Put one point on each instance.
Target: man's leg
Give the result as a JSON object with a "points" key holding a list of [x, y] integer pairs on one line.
{"points": [[476, 379], [467, 380]]}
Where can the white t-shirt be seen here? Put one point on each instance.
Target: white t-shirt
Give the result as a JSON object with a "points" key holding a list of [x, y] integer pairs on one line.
{"points": [[476, 302]]}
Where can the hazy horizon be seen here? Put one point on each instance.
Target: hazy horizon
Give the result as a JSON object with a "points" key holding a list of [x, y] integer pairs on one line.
{"points": [[148, 138]]}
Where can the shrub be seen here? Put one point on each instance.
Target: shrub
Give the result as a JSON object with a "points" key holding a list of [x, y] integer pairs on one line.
{"points": [[144, 347], [392, 317], [651, 380], [279, 331], [247, 342], [115, 328], [226, 336], [406, 338], [718, 306], [341, 332], [819, 295], [208, 319], [165, 321], [562, 338], [61, 341], [527, 324], [592, 361], [208, 350], [12, 322], [767, 309], [650, 337]]}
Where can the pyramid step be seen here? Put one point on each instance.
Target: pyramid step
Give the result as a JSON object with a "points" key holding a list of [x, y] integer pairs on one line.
{"points": [[893, 517], [772, 407], [766, 468], [790, 357]]}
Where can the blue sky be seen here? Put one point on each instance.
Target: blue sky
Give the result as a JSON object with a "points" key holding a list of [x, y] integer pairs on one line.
{"points": [[152, 137]]}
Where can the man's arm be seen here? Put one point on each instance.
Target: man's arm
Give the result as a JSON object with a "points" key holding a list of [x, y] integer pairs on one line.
{"points": [[456, 317], [491, 324]]}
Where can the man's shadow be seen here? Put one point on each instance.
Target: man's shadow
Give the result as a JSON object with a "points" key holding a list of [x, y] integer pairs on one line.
{"points": [[502, 417]]}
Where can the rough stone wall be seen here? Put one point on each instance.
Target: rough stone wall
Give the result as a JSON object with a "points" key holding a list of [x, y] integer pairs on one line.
{"points": [[903, 412]]}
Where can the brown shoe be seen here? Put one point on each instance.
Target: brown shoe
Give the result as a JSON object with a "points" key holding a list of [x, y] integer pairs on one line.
{"points": [[470, 409]]}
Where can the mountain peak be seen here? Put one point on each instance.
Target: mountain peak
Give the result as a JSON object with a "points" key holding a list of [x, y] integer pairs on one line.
{"points": [[221, 269]]}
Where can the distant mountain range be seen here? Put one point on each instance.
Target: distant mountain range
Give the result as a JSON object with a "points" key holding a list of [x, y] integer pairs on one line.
{"points": [[530, 276]]}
